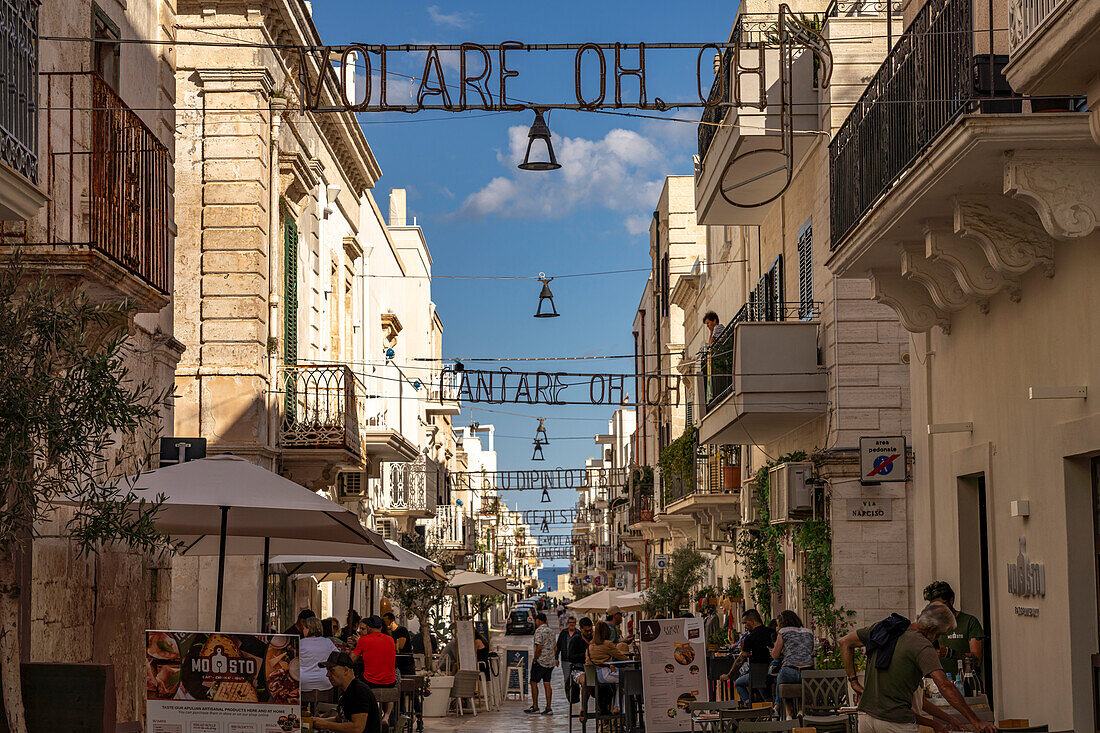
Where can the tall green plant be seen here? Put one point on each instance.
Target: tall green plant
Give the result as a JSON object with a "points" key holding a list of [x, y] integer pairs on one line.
{"points": [[761, 549], [814, 539], [420, 598], [677, 461], [73, 424], [671, 590]]}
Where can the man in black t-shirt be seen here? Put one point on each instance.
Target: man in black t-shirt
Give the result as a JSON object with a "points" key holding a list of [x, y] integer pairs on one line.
{"points": [[756, 648], [403, 641], [358, 708]]}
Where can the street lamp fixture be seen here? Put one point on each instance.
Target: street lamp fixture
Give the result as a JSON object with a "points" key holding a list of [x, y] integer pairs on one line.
{"points": [[545, 296], [540, 132]]}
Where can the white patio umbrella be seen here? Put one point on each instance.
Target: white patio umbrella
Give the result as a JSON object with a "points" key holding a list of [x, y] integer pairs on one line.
{"points": [[243, 508], [405, 564], [469, 583], [598, 601], [632, 601]]}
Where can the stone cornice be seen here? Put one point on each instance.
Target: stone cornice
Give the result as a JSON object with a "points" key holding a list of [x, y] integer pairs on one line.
{"points": [[240, 79]]}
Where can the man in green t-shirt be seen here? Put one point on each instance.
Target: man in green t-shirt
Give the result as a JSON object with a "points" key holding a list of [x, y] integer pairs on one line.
{"points": [[966, 640], [886, 698]]}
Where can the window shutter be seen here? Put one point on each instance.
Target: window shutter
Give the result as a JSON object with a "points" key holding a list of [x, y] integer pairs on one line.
{"points": [[290, 312], [806, 272]]}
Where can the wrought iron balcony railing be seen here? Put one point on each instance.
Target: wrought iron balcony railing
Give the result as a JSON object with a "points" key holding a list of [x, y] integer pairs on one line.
{"points": [[444, 386], [447, 529], [716, 364], [412, 487], [930, 79], [319, 407], [19, 86]]}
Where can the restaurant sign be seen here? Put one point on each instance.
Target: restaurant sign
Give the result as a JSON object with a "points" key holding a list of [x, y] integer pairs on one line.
{"points": [[1026, 578], [212, 681], [674, 667]]}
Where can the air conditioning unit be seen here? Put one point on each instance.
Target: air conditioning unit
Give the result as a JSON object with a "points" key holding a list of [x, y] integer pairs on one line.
{"points": [[750, 512], [350, 485], [387, 528], [791, 491]]}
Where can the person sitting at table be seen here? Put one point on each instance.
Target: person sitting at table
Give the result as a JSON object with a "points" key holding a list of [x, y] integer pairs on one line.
{"points": [[755, 648], [481, 650], [614, 619], [794, 645], [314, 649], [379, 656], [357, 709], [601, 653]]}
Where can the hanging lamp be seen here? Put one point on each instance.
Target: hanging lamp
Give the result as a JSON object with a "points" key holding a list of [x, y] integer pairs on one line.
{"points": [[545, 499], [546, 297], [539, 131], [541, 430], [537, 454]]}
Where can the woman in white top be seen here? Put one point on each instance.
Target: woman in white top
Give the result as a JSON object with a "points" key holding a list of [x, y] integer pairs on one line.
{"points": [[795, 646], [313, 650]]}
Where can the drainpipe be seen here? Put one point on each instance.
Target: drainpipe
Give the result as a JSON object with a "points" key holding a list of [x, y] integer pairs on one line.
{"points": [[278, 104]]}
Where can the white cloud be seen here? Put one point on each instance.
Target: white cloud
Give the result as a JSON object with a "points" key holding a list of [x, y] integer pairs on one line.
{"points": [[457, 19], [623, 172]]}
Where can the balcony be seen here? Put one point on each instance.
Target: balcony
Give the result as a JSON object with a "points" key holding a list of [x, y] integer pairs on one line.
{"points": [[710, 491], [109, 221], [1052, 49], [761, 379], [749, 145], [320, 428], [385, 442], [443, 394], [449, 530], [411, 488], [947, 187], [20, 197]]}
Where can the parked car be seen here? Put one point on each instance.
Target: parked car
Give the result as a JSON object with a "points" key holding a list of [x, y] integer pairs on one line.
{"points": [[520, 621]]}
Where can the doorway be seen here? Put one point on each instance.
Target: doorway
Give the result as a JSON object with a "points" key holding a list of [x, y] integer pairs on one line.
{"points": [[1095, 476], [973, 594]]}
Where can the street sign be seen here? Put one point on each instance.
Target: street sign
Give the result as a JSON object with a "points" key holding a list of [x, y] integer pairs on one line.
{"points": [[597, 580], [588, 579], [864, 510], [619, 583], [660, 561], [882, 459]]}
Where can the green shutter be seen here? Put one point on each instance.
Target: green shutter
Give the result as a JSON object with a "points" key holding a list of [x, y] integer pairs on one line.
{"points": [[290, 311]]}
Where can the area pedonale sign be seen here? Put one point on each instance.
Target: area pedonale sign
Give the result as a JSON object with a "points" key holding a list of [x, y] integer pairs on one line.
{"points": [[485, 71]]}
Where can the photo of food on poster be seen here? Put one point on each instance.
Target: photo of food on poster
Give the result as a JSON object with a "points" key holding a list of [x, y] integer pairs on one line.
{"points": [[222, 683], [674, 656]]}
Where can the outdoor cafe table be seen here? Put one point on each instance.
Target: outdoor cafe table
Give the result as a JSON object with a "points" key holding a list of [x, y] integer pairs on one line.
{"points": [[728, 717]]}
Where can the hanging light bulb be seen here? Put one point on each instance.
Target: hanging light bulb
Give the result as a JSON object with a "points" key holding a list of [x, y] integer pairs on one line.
{"points": [[545, 499], [537, 454], [541, 430], [546, 296], [540, 131]]}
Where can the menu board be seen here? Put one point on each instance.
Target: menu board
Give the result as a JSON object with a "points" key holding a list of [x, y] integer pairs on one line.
{"points": [[212, 682], [674, 668]]}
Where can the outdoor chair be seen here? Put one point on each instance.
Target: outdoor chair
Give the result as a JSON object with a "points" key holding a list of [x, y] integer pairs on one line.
{"points": [[729, 713], [465, 688], [767, 726], [386, 695], [824, 693], [609, 721], [790, 699], [758, 681]]}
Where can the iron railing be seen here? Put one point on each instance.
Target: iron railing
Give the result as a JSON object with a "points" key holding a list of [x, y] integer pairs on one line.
{"points": [[716, 364], [1027, 16], [929, 79], [320, 408], [108, 177], [447, 529], [411, 487], [445, 386], [641, 506], [19, 86]]}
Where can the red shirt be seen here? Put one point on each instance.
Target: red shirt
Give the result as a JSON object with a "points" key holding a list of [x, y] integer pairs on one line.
{"points": [[379, 655]]}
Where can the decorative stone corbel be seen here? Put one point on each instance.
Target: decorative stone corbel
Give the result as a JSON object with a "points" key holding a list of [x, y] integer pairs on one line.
{"points": [[1008, 232], [937, 277], [1063, 188], [966, 260], [910, 300]]}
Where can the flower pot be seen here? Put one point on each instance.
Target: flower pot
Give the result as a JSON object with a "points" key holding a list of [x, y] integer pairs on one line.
{"points": [[437, 702]]}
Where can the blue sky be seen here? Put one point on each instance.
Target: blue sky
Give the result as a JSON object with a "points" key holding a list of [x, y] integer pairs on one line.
{"points": [[481, 215]]}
